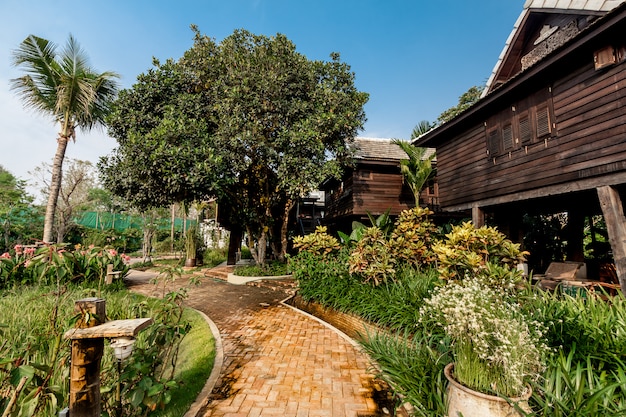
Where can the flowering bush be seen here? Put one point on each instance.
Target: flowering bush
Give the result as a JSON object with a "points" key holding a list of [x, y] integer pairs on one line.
{"points": [[495, 348], [47, 264]]}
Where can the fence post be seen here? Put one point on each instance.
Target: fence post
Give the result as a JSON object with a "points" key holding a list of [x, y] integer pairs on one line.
{"points": [[85, 365]]}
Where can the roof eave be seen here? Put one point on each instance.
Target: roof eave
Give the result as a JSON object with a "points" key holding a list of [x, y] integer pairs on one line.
{"points": [[602, 25]]}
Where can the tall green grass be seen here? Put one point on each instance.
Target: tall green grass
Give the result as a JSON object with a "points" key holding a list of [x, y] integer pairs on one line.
{"points": [[393, 305], [31, 323]]}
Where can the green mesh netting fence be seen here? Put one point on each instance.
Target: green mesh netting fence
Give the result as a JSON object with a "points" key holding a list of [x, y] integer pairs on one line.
{"points": [[121, 222]]}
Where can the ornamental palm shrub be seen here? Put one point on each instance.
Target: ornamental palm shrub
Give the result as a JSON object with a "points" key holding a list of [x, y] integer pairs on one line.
{"points": [[467, 251], [413, 236]]}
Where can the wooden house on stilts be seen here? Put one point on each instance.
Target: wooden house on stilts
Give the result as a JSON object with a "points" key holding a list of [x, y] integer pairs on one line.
{"points": [[549, 134]]}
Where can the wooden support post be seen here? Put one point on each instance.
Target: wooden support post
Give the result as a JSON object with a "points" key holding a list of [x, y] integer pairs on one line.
{"points": [[85, 365], [478, 217], [613, 212]]}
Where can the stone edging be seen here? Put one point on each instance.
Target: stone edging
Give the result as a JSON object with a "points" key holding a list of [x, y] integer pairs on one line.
{"points": [[241, 280]]}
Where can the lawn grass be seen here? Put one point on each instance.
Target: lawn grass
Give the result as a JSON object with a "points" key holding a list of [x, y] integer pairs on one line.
{"points": [[193, 367]]}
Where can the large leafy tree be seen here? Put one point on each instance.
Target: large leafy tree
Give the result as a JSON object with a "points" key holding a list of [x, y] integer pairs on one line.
{"points": [[64, 86], [165, 150], [466, 100], [268, 125]]}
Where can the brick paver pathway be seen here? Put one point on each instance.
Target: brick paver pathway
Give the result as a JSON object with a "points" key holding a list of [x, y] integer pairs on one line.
{"points": [[278, 361]]}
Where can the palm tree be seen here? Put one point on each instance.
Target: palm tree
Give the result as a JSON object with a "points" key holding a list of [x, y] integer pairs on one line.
{"points": [[421, 128], [66, 88], [416, 170]]}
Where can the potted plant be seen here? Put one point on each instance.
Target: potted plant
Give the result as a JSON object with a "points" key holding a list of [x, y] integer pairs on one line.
{"points": [[190, 246], [496, 350]]}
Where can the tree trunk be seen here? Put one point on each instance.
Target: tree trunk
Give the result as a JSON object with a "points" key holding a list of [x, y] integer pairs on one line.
{"points": [[257, 246], [613, 212], [234, 244], [284, 228], [55, 187]]}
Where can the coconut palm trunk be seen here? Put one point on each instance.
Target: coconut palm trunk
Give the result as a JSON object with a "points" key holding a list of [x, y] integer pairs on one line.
{"points": [[55, 188]]}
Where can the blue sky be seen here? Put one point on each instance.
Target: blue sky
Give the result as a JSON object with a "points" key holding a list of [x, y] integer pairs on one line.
{"points": [[414, 57]]}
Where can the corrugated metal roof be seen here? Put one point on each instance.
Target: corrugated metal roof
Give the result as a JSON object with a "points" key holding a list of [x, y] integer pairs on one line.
{"points": [[380, 149], [583, 5]]}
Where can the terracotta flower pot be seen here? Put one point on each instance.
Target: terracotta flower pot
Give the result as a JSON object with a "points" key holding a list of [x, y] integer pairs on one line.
{"points": [[189, 263], [469, 403]]}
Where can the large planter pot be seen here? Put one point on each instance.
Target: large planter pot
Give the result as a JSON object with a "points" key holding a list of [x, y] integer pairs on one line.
{"points": [[190, 262], [465, 402]]}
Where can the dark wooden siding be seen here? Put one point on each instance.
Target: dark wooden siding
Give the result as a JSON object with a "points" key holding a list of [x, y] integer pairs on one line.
{"points": [[369, 188], [339, 198], [380, 191], [588, 138]]}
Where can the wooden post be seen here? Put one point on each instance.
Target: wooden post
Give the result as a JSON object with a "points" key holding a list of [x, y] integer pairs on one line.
{"points": [[85, 365], [478, 217], [613, 212], [109, 276]]}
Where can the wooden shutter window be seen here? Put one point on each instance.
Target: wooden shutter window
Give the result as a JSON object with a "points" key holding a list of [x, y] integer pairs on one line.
{"points": [[507, 137], [525, 132], [493, 144], [543, 122]]}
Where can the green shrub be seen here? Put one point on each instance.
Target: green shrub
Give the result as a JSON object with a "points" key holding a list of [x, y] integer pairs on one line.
{"points": [[52, 264], [412, 239], [33, 346], [413, 367], [578, 388], [594, 326], [319, 243], [214, 256], [467, 251], [371, 259], [272, 268], [246, 253]]}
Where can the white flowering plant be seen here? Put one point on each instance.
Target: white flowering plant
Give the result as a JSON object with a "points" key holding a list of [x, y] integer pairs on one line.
{"points": [[496, 349]]}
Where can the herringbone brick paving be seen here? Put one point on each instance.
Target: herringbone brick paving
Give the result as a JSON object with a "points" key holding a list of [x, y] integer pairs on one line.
{"points": [[277, 361]]}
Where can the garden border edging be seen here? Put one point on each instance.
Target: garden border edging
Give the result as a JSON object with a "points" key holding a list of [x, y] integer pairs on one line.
{"points": [[202, 397], [242, 280]]}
